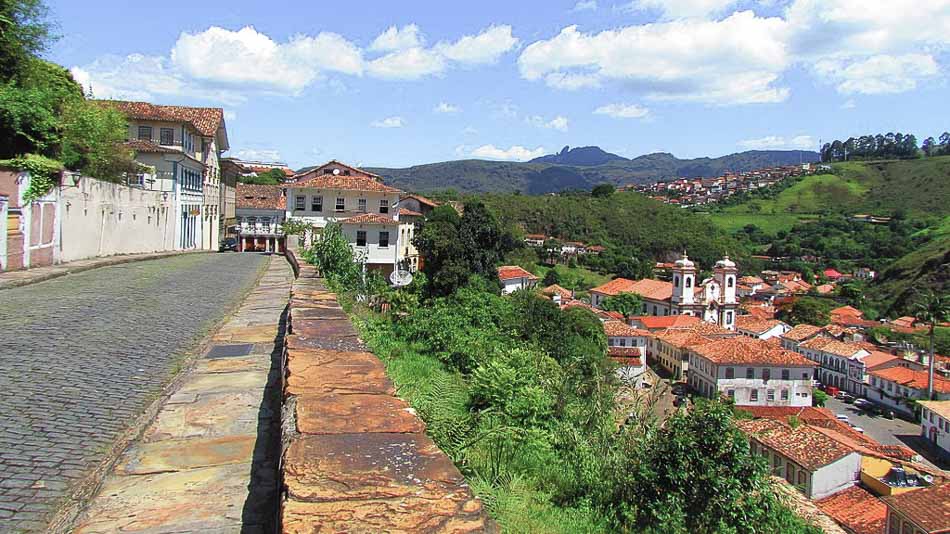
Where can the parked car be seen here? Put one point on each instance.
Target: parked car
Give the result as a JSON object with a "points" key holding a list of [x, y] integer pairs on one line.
{"points": [[840, 417], [847, 399], [228, 243], [857, 429], [864, 404], [680, 389]]}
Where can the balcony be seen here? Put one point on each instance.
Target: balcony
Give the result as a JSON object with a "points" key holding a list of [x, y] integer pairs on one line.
{"points": [[260, 229]]}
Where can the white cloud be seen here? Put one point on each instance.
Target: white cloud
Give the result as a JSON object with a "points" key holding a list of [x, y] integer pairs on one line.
{"points": [[737, 60], [253, 154], [674, 9], [878, 74], [623, 111], [445, 107], [585, 5], [408, 64], [398, 39], [389, 122], [513, 153], [774, 142], [558, 123], [486, 47]]}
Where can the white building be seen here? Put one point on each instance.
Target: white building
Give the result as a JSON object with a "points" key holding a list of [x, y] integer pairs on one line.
{"points": [[751, 326], [513, 278], [713, 300], [751, 372], [809, 460], [899, 386], [627, 347], [835, 358], [935, 425], [259, 214]]}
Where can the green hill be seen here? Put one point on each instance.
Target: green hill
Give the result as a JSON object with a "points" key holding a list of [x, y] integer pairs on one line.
{"points": [[926, 268]]}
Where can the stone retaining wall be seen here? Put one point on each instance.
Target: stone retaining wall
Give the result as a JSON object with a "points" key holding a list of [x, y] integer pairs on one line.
{"points": [[355, 457]]}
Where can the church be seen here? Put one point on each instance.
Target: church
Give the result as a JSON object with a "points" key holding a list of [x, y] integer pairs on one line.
{"points": [[712, 299]]}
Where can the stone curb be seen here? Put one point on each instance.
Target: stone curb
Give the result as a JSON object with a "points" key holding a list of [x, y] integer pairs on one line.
{"points": [[64, 269], [355, 457]]}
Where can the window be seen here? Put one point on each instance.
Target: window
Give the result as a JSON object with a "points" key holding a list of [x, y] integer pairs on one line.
{"points": [[805, 376], [754, 395], [749, 372], [676, 281], [145, 133], [801, 478], [731, 393], [777, 466], [300, 203], [384, 239], [770, 395], [784, 394], [623, 342], [327, 171], [346, 172], [340, 203], [361, 238], [789, 472], [689, 281], [361, 205], [730, 372], [729, 281], [785, 374], [384, 206], [166, 136], [766, 374], [316, 203]]}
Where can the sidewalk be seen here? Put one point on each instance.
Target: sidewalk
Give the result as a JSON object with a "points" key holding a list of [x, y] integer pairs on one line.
{"points": [[10, 279], [208, 463]]}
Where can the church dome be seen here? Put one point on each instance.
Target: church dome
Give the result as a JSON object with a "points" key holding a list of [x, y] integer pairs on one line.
{"points": [[684, 262], [725, 263]]}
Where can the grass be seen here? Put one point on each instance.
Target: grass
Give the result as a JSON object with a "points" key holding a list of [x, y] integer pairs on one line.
{"points": [[578, 278], [770, 224]]}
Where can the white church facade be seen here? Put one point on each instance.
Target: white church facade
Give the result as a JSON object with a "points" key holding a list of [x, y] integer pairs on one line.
{"points": [[713, 299]]}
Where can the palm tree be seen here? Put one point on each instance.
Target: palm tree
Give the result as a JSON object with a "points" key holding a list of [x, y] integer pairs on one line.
{"points": [[932, 309]]}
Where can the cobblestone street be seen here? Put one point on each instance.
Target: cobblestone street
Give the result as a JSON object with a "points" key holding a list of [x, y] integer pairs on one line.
{"points": [[82, 356]]}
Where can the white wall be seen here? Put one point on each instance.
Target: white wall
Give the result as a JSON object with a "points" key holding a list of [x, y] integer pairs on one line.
{"points": [[329, 213], [514, 284], [375, 254], [104, 219], [943, 437], [835, 476]]}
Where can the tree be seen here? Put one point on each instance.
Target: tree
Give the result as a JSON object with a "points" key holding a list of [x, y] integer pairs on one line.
{"points": [[92, 136], [603, 190], [24, 34], [806, 310], [549, 251], [628, 304], [932, 309], [269, 177], [551, 277], [333, 257], [928, 146], [819, 397]]}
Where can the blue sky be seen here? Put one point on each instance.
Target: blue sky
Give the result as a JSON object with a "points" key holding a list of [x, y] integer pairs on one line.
{"points": [[402, 83]]}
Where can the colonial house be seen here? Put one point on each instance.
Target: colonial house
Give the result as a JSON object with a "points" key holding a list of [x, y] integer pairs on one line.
{"points": [[418, 204], [816, 464], [407, 230], [366, 208], [627, 346], [260, 216], [923, 511], [752, 326], [182, 147], [713, 300], [834, 358], [899, 386], [670, 349], [750, 372], [513, 278], [935, 425], [558, 294]]}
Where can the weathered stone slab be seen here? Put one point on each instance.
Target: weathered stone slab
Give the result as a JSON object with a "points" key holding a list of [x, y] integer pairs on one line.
{"points": [[368, 466], [176, 455], [329, 328], [344, 414], [454, 514], [256, 362], [225, 382], [222, 414], [318, 313], [360, 373], [295, 342], [247, 334]]}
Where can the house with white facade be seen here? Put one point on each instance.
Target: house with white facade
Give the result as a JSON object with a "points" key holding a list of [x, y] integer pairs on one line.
{"points": [[935, 425], [366, 208], [750, 372], [900, 386], [260, 215], [513, 278], [809, 460], [834, 358], [181, 146], [627, 347], [752, 326], [713, 300]]}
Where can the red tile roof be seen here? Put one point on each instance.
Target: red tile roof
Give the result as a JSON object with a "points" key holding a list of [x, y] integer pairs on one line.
{"points": [[856, 509], [262, 197], [745, 350], [755, 324], [801, 332], [803, 445], [621, 329], [832, 346], [646, 288], [912, 378], [654, 322], [877, 358], [555, 289], [929, 507], [904, 322], [370, 218], [205, 120], [360, 181], [403, 212], [847, 310], [510, 272], [422, 200], [682, 339]]}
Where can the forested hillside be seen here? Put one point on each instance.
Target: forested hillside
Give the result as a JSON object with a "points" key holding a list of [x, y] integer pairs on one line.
{"points": [[590, 166]]}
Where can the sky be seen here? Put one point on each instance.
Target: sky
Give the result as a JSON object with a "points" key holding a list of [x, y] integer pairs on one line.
{"points": [[402, 83]]}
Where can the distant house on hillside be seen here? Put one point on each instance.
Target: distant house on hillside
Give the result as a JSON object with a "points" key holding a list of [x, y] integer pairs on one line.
{"points": [[513, 278]]}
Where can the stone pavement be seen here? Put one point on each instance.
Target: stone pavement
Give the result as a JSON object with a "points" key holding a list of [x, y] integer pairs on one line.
{"points": [[9, 279], [356, 457], [208, 463], [84, 356]]}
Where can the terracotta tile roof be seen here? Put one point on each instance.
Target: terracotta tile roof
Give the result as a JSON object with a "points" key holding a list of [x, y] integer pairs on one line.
{"points": [[596, 248], [745, 350], [929, 507], [139, 145], [877, 358], [801, 332], [653, 322], [856, 509], [621, 329], [536, 237], [755, 324], [370, 218], [912, 378], [941, 408], [421, 199], [904, 322], [847, 310], [555, 289], [262, 197], [361, 181], [832, 346], [205, 120], [646, 288], [803, 445], [762, 312], [625, 356], [510, 272], [403, 212], [751, 280], [805, 414], [705, 328], [824, 289], [682, 339]]}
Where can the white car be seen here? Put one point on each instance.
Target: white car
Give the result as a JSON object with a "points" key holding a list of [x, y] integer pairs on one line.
{"points": [[857, 429], [840, 417]]}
